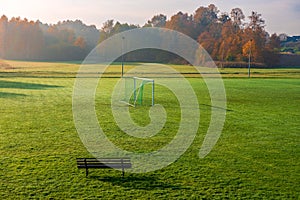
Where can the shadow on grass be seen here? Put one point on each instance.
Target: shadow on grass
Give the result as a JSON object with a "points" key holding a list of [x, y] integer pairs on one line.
{"points": [[11, 95], [216, 107], [21, 85], [136, 181], [38, 74]]}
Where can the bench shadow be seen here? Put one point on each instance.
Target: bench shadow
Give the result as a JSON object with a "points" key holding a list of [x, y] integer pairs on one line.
{"points": [[22, 85], [138, 181], [216, 107], [38, 75], [11, 95]]}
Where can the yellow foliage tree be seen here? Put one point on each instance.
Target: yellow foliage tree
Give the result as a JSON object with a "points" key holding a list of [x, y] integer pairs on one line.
{"points": [[249, 48]]}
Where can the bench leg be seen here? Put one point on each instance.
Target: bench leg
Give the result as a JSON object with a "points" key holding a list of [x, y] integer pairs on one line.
{"points": [[86, 168], [123, 172], [86, 172]]}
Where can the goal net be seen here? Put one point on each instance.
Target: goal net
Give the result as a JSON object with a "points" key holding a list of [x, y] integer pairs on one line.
{"points": [[139, 91]]}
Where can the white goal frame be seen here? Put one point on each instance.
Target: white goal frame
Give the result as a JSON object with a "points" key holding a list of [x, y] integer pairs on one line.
{"points": [[137, 87]]}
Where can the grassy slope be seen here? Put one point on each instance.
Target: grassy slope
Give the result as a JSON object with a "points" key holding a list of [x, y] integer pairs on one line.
{"points": [[256, 156]]}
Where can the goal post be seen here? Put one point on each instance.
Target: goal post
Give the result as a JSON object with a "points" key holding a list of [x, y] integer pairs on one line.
{"points": [[139, 91]]}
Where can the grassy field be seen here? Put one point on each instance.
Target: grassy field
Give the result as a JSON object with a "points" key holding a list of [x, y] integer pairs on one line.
{"points": [[257, 156]]}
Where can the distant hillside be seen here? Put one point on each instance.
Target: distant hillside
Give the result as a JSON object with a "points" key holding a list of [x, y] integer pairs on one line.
{"points": [[290, 44]]}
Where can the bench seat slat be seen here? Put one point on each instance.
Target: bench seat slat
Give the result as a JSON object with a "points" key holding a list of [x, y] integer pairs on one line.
{"points": [[125, 165], [103, 159], [108, 163]]}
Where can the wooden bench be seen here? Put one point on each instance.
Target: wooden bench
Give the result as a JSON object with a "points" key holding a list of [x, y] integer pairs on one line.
{"points": [[108, 163]]}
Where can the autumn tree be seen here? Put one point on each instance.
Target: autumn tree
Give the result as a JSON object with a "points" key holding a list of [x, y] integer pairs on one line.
{"points": [[255, 32], [181, 22], [273, 43], [89, 33], [249, 48], [3, 32], [157, 21], [106, 30], [64, 45], [207, 41], [35, 41], [204, 17], [272, 50], [110, 28], [20, 39], [237, 17], [256, 22], [224, 17], [80, 42]]}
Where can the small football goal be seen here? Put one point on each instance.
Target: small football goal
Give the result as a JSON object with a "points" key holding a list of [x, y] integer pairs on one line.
{"points": [[139, 91]]}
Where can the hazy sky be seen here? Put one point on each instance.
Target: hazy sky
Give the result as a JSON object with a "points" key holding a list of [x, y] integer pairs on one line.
{"points": [[281, 16]]}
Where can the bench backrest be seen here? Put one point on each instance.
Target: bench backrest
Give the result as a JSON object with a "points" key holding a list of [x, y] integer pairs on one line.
{"points": [[117, 163]]}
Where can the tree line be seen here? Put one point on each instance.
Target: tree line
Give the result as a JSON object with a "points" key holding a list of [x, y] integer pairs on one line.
{"points": [[227, 37], [28, 40]]}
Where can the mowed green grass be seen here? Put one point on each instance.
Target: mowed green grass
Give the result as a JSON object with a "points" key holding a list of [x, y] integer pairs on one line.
{"points": [[257, 156]]}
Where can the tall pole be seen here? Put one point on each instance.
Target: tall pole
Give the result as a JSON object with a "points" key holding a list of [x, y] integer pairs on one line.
{"points": [[249, 60], [122, 56]]}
